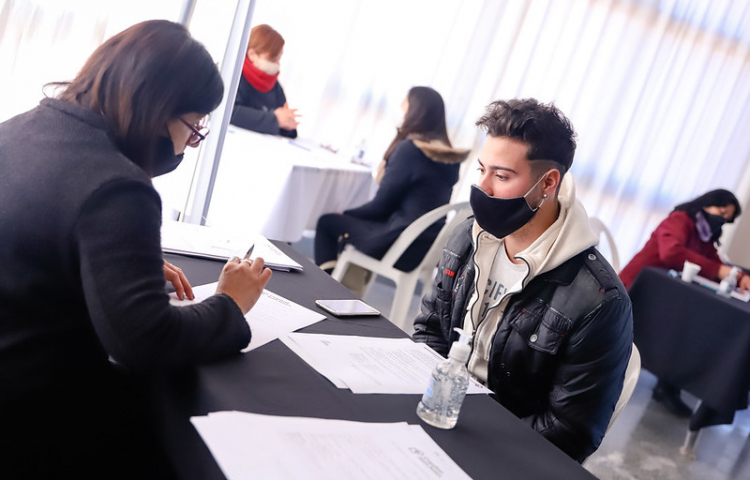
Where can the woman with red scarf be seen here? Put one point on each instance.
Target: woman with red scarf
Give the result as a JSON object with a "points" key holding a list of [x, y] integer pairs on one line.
{"points": [[261, 104]]}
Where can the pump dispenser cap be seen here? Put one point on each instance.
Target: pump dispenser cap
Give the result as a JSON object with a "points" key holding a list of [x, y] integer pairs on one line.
{"points": [[461, 348]]}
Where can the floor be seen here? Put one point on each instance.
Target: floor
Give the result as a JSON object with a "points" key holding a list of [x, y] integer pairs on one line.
{"points": [[644, 442]]}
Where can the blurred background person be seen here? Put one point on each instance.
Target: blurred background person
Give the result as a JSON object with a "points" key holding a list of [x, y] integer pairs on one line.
{"points": [[691, 232], [260, 104], [83, 294], [418, 175]]}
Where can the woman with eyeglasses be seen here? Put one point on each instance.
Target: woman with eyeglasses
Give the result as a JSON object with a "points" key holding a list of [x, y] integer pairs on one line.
{"points": [[83, 305]]}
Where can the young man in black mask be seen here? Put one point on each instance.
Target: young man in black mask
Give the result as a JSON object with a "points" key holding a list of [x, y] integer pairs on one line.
{"points": [[551, 320]]}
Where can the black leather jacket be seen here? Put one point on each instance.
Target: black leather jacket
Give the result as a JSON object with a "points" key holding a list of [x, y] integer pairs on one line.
{"points": [[559, 356]]}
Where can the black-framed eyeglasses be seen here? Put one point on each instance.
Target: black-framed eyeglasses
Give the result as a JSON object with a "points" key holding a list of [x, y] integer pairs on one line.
{"points": [[198, 134]]}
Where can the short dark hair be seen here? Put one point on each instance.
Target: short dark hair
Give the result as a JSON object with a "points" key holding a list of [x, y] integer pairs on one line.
{"points": [[543, 127], [142, 78]]}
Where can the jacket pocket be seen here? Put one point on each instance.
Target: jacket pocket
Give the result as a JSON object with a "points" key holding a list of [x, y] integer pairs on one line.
{"points": [[443, 299], [543, 328]]}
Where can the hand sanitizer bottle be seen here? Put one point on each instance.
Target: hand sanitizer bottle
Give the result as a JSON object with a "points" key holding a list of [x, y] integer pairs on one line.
{"points": [[445, 393], [728, 283], [358, 156]]}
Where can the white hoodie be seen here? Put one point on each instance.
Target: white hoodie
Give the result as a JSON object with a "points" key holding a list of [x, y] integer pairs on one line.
{"points": [[564, 239]]}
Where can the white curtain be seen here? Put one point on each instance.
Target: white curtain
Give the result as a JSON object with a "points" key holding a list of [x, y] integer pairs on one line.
{"points": [[658, 90]]}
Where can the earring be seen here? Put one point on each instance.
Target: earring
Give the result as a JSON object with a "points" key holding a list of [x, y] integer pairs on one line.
{"points": [[545, 196]]}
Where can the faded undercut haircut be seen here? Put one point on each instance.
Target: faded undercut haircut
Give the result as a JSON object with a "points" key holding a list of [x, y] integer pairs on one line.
{"points": [[543, 127]]}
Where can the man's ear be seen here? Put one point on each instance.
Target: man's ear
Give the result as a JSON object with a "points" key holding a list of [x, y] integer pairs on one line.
{"points": [[552, 182]]}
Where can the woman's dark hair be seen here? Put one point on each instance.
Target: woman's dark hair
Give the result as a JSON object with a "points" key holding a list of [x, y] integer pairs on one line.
{"points": [[424, 120], [142, 78], [714, 198], [543, 127]]}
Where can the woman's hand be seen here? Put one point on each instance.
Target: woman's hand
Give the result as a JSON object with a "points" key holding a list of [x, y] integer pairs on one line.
{"points": [[744, 283], [244, 281], [179, 281], [287, 117]]}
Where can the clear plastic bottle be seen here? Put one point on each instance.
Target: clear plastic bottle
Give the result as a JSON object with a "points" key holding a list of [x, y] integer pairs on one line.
{"points": [[445, 393], [728, 283], [358, 156]]}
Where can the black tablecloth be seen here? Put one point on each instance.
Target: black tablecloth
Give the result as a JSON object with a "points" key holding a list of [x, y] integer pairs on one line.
{"points": [[488, 442], [693, 338]]}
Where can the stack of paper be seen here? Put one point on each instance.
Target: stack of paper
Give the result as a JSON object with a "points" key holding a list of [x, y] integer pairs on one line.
{"points": [[370, 365], [251, 446], [209, 242], [271, 317], [275, 259], [201, 241]]}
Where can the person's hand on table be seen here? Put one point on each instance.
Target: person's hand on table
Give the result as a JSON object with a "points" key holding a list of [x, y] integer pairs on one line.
{"points": [[179, 281], [724, 271], [744, 283], [287, 117], [244, 281]]}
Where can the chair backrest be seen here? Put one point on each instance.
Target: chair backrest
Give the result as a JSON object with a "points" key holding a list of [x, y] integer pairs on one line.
{"points": [[462, 211], [601, 229], [632, 373]]}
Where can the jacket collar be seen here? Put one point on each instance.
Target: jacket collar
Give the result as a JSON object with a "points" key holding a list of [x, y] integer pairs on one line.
{"points": [[86, 115]]}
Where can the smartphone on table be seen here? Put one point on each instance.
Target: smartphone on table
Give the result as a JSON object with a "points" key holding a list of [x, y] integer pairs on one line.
{"points": [[347, 308]]}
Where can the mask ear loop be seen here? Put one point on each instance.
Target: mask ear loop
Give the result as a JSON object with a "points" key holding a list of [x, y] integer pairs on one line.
{"points": [[532, 188]]}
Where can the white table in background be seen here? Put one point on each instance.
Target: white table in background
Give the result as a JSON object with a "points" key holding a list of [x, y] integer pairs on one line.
{"points": [[279, 187]]}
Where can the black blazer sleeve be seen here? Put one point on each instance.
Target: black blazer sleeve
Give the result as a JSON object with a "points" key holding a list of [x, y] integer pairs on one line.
{"points": [[255, 119], [121, 265], [394, 187], [248, 116]]}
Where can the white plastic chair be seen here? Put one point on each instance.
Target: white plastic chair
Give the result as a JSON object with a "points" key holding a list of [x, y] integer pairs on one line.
{"points": [[601, 229], [632, 372], [406, 282]]}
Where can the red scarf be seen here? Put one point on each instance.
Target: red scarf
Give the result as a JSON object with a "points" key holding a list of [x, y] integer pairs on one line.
{"points": [[259, 79]]}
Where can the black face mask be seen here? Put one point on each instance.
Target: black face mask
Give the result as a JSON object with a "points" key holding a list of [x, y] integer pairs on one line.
{"points": [[164, 160], [501, 216], [709, 226]]}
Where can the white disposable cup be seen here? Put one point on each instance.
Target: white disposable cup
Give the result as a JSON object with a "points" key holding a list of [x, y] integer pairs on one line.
{"points": [[689, 271]]}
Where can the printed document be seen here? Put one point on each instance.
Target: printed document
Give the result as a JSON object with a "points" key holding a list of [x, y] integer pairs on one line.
{"points": [[271, 317], [201, 241], [371, 365], [251, 446], [216, 244]]}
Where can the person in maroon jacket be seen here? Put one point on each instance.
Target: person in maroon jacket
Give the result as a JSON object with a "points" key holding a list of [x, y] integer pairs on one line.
{"points": [[691, 232]]}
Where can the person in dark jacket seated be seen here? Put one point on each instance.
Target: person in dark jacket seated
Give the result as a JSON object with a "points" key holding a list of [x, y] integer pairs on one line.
{"points": [[84, 310], [260, 104], [690, 233], [551, 321], [421, 168]]}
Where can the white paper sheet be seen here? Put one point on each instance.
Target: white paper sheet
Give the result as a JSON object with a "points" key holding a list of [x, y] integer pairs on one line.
{"points": [[744, 296], [202, 241], [271, 317], [371, 365], [251, 446], [270, 253]]}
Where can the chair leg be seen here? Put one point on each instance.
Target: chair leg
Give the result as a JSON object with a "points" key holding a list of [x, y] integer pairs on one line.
{"points": [[368, 287], [401, 302], [340, 270]]}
